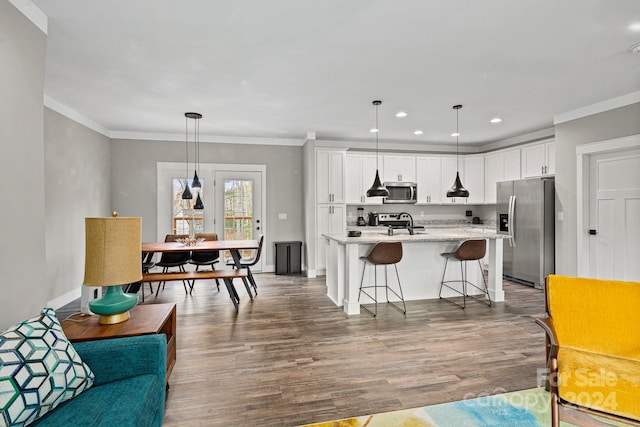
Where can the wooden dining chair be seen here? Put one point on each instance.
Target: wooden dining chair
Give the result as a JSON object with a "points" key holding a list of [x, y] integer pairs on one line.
{"points": [[204, 258], [173, 259], [250, 262]]}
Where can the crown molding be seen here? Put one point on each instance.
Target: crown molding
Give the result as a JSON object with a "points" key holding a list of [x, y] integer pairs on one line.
{"points": [[75, 116], [600, 107], [33, 14], [518, 140], [150, 136], [157, 136]]}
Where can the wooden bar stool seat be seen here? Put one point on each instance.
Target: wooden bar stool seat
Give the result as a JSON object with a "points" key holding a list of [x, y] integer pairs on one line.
{"points": [[383, 253], [469, 250]]}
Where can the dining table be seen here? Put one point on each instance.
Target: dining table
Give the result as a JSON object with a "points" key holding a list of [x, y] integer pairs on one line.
{"points": [[233, 246]]}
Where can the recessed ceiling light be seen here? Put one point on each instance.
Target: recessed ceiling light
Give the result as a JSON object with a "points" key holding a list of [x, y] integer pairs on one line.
{"points": [[373, 130], [455, 134], [401, 114], [417, 132], [635, 27], [496, 120]]}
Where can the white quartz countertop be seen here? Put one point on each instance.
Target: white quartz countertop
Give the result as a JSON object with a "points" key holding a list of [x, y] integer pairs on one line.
{"points": [[426, 235]]}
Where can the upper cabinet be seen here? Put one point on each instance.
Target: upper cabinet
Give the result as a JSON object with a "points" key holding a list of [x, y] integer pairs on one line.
{"points": [[539, 159], [512, 170], [399, 168], [473, 178], [500, 166], [434, 174], [360, 171], [429, 179], [330, 176]]}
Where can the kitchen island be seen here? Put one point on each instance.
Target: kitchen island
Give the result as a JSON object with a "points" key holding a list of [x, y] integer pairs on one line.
{"points": [[420, 269]]}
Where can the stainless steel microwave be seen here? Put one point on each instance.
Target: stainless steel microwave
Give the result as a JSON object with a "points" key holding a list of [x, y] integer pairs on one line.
{"points": [[401, 192]]}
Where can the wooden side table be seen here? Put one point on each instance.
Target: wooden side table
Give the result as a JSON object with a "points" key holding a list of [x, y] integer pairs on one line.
{"points": [[145, 320]]}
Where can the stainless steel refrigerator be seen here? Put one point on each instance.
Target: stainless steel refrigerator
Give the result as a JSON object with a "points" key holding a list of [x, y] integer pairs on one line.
{"points": [[525, 212]]}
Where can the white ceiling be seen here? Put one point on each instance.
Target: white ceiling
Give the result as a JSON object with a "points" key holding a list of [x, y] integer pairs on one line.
{"points": [[281, 68]]}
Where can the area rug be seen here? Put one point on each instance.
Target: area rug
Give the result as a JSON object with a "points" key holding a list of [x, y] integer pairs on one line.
{"points": [[526, 408]]}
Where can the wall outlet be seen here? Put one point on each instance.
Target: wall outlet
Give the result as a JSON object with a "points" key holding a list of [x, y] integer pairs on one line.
{"points": [[468, 213], [282, 216], [560, 216]]}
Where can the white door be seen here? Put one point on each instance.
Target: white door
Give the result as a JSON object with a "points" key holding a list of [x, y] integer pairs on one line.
{"points": [[614, 212], [238, 207]]}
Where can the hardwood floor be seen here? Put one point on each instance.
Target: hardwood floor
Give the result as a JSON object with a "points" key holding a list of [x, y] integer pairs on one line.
{"points": [[291, 357]]}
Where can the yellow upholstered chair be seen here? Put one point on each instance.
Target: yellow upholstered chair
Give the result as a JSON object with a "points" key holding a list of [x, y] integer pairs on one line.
{"points": [[593, 349]]}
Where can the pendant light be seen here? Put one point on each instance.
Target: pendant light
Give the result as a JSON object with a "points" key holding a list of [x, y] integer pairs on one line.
{"points": [[457, 190], [196, 131], [196, 181], [186, 193], [377, 189]]}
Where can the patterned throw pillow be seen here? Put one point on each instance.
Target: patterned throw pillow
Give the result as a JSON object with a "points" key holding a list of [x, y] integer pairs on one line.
{"points": [[39, 369]]}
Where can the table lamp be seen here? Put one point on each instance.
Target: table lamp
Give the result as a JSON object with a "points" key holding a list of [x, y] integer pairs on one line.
{"points": [[113, 258]]}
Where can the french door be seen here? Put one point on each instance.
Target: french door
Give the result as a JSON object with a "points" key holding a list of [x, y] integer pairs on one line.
{"points": [[233, 200], [238, 206]]}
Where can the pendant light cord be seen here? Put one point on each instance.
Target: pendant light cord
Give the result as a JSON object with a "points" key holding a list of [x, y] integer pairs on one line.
{"points": [[186, 146], [457, 138], [377, 132], [197, 144]]}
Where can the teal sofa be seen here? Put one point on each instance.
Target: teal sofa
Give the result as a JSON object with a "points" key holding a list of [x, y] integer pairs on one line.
{"points": [[129, 387]]}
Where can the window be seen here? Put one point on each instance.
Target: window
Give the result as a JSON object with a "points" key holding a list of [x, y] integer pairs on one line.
{"points": [[183, 213]]}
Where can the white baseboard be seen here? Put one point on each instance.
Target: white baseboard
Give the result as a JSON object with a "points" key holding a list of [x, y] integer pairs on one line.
{"points": [[65, 299], [269, 268]]}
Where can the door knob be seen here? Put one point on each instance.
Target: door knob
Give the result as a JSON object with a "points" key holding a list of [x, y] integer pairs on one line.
{"points": [[593, 232]]}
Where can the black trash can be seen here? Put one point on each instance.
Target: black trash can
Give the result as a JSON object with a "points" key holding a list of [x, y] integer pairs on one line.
{"points": [[288, 257]]}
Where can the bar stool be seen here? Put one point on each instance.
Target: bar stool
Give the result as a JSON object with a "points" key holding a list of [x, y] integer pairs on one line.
{"points": [[383, 253], [469, 250]]}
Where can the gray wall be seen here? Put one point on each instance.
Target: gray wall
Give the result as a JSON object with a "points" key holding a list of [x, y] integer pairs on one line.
{"points": [[134, 181], [611, 124], [78, 185], [22, 256], [309, 202]]}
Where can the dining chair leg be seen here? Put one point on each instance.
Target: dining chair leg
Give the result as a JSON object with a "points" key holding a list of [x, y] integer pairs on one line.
{"points": [[252, 280], [217, 280]]}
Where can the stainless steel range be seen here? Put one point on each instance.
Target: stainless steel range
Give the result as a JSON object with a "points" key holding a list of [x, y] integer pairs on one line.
{"points": [[397, 220]]}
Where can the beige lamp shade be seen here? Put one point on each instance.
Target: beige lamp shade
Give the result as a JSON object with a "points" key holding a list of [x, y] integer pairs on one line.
{"points": [[113, 255]]}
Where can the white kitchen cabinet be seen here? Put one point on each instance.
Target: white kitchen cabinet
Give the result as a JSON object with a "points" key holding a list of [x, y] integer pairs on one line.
{"points": [[429, 179], [512, 170], [330, 176], [494, 173], [399, 168], [536, 159], [500, 166], [449, 168], [330, 219], [360, 170], [473, 178], [551, 158]]}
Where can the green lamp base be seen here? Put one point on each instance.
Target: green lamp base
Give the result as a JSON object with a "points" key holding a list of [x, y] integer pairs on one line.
{"points": [[114, 306]]}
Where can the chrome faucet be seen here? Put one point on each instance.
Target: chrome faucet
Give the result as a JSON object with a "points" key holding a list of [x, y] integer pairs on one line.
{"points": [[410, 228]]}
